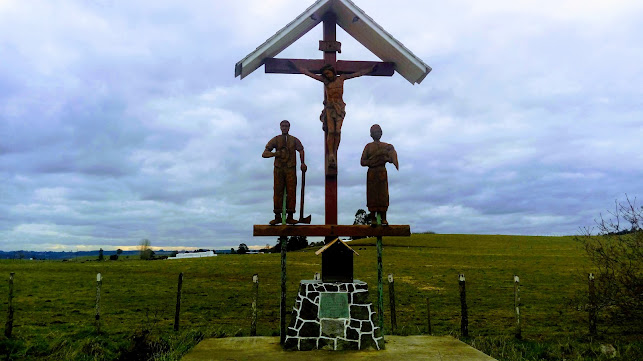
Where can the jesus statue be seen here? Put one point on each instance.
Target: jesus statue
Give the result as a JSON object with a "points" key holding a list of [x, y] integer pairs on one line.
{"points": [[334, 111]]}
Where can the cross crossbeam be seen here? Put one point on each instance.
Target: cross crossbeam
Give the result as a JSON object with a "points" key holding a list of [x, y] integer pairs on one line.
{"points": [[282, 66]]}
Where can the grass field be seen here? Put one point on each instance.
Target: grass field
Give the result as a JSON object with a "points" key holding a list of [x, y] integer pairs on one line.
{"points": [[55, 301]]}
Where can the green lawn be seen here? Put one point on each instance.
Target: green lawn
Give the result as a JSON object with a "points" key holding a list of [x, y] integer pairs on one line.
{"points": [[55, 301]]}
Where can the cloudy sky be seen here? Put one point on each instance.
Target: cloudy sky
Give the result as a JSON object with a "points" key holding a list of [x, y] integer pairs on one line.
{"points": [[122, 120]]}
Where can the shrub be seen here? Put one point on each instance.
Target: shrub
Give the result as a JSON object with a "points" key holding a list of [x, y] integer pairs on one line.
{"points": [[616, 254]]}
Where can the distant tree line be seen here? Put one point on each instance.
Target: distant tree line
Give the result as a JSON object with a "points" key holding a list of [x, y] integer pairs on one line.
{"points": [[294, 243]]}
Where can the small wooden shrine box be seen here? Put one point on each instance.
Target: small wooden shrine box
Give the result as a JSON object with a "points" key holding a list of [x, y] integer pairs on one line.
{"points": [[337, 262]]}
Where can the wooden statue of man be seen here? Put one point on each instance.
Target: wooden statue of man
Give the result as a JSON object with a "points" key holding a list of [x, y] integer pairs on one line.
{"points": [[285, 173], [375, 156], [334, 111]]}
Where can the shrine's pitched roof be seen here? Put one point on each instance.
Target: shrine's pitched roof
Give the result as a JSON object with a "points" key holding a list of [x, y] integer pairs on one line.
{"points": [[356, 23], [336, 240]]}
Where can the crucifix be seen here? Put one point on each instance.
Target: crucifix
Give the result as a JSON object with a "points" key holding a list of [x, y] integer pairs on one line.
{"points": [[333, 73], [333, 113]]}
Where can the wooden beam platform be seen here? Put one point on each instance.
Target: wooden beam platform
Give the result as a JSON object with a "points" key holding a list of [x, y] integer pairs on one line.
{"points": [[331, 230]]}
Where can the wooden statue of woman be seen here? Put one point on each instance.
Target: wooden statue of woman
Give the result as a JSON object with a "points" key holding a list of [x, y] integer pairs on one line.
{"points": [[375, 156]]}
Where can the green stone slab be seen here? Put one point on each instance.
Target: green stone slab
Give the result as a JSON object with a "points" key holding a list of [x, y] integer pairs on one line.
{"points": [[333, 305]]}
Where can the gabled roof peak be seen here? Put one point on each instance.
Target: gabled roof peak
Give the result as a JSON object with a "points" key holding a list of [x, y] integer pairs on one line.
{"points": [[336, 240]]}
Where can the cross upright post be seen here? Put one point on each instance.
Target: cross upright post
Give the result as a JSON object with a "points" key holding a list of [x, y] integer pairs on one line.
{"points": [[330, 57]]}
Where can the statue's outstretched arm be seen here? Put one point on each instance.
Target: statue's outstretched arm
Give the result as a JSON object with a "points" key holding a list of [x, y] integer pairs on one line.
{"points": [[360, 73], [306, 72]]}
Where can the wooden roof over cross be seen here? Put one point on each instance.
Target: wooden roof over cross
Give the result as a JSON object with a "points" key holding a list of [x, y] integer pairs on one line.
{"points": [[356, 23]]}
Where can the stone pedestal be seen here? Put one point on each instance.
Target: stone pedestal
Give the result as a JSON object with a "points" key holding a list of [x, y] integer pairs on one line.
{"points": [[333, 316]]}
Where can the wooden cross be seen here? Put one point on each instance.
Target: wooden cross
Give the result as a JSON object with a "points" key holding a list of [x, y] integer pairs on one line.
{"points": [[330, 46], [382, 44]]}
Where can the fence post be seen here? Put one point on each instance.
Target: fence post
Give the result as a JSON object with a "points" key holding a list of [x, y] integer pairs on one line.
{"points": [[391, 300], [464, 322], [592, 305], [428, 316], [99, 282], [8, 327], [253, 325], [517, 306], [178, 302], [282, 303]]}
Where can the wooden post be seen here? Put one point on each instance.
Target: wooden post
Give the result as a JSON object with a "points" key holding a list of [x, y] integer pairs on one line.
{"points": [[464, 323], [283, 207], [253, 325], [391, 300], [282, 304], [178, 302], [428, 316], [380, 287], [283, 243], [592, 305], [99, 282], [8, 327], [517, 306]]}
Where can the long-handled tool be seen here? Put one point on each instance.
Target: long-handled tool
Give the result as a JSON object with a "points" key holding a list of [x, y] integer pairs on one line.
{"points": [[302, 219]]}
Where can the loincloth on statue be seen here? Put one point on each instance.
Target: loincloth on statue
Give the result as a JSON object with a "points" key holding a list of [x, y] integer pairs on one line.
{"points": [[335, 113]]}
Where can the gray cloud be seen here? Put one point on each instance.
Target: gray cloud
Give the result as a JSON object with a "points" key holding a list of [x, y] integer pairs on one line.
{"points": [[122, 121]]}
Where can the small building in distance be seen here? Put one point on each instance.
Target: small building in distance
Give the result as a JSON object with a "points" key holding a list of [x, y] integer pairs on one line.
{"points": [[194, 255]]}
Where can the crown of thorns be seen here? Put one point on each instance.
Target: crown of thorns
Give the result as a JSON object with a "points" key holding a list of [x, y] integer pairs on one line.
{"points": [[328, 67]]}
